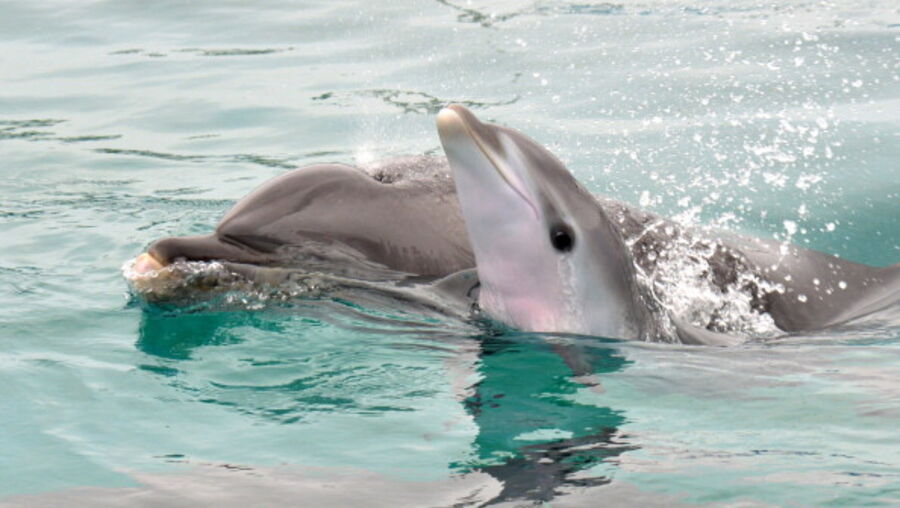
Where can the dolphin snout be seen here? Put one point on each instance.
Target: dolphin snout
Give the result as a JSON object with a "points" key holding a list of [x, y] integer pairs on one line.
{"points": [[167, 270], [146, 263], [206, 248], [163, 253], [450, 122], [456, 121]]}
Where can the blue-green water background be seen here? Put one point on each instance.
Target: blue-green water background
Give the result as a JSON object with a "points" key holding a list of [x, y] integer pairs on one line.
{"points": [[122, 122]]}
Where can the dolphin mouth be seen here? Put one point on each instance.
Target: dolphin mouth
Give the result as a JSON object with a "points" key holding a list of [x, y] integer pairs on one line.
{"points": [[455, 121], [147, 263], [172, 266], [205, 248]]}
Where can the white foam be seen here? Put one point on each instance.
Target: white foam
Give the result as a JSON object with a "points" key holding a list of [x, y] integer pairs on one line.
{"points": [[684, 283]]}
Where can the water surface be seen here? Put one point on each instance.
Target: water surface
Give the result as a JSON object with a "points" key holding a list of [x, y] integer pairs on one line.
{"points": [[123, 122]]}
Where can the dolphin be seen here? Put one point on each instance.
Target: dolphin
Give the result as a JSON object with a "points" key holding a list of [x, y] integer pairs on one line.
{"points": [[553, 258], [548, 257], [396, 217], [503, 224]]}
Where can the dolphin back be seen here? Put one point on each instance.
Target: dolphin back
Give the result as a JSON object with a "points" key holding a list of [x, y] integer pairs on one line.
{"points": [[823, 291]]}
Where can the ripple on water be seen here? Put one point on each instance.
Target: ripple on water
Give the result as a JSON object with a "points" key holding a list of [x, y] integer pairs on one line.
{"points": [[410, 101], [213, 52], [260, 160]]}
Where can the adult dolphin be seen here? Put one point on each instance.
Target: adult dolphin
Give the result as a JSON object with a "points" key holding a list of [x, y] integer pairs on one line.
{"points": [[402, 215], [551, 258]]}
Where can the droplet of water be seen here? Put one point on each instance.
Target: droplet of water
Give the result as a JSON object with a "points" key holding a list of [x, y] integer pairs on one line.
{"points": [[790, 226], [644, 200], [842, 285], [802, 298]]}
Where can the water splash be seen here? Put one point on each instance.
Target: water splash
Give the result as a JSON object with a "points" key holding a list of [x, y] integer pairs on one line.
{"points": [[199, 285], [704, 282]]}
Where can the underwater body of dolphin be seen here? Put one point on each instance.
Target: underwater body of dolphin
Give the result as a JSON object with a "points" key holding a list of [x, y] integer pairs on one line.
{"points": [[550, 257]]}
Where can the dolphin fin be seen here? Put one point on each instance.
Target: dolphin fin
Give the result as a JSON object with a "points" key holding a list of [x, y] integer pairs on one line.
{"points": [[462, 285]]}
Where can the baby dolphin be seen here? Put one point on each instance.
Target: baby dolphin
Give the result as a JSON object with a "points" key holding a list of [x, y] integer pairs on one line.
{"points": [[550, 258]]}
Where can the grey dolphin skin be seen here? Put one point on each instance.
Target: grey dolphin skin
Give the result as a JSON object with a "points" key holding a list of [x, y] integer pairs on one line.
{"points": [[403, 216], [550, 257], [526, 214]]}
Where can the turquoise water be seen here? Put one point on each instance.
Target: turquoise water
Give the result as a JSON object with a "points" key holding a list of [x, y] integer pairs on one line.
{"points": [[123, 122]]}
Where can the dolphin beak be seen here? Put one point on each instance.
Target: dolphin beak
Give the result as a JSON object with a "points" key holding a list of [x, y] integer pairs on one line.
{"points": [[146, 263], [456, 125], [450, 124]]}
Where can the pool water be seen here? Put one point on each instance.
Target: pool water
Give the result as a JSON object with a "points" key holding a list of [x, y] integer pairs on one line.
{"points": [[124, 122]]}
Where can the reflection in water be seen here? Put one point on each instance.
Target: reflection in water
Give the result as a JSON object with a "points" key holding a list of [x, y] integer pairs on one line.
{"points": [[174, 337], [291, 362], [533, 436]]}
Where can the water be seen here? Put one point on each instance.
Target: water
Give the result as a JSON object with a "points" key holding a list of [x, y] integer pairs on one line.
{"points": [[124, 122]]}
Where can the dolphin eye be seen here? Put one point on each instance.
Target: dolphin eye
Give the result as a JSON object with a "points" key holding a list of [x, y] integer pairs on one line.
{"points": [[562, 238]]}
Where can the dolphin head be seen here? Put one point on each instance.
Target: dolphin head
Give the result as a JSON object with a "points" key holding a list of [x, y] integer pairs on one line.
{"points": [[324, 218], [254, 229], [188, 267], [548, 257]]}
